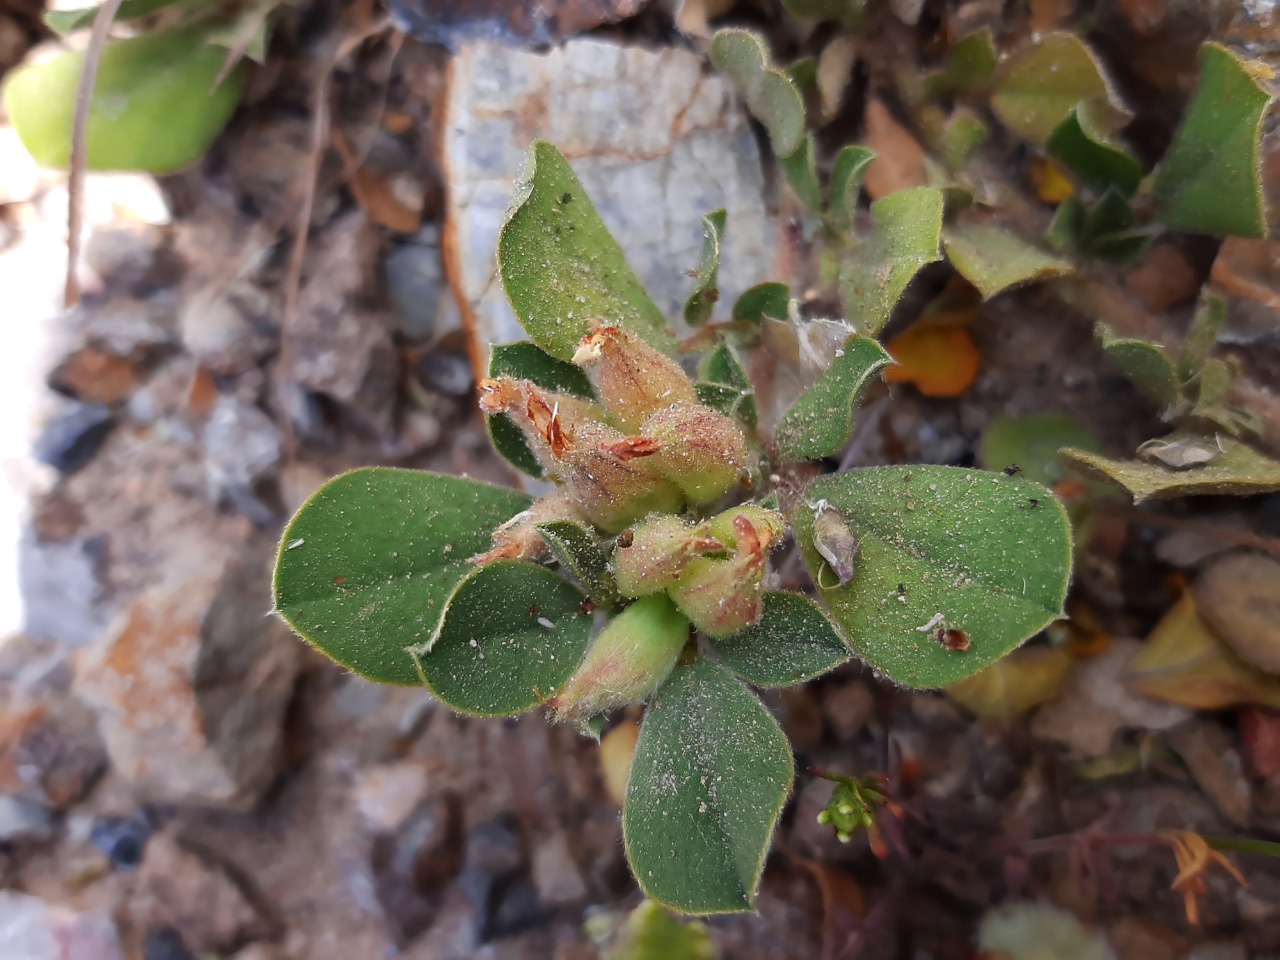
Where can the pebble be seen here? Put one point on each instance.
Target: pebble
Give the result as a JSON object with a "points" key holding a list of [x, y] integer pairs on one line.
{"points": [[22, 821], [122, 839], [70, 440]]}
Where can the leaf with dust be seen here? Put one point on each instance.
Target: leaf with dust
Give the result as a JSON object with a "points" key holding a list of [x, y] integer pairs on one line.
{"points": [[770, 95], [1210, 180], [1184, 663], [698, 308], [367, 564], [820, 422], [581, 553], [561, 267], [941, 548], [1240, 470], [765, 300], [725, 386], [1038, 86], [848, 170], [512, 633], [1015, 685], [994, 260], [1147, 364], [801, 172], [793, 642], [971, 63], [711, 772], [527, 361], [906, 231]]}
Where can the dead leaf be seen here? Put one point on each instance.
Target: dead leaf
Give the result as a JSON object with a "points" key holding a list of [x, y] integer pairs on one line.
{"points": [[1052, 185], [899, 161], [1238, 597], [616, 750], [1184, 663], [835, 70], [940, 359], [1015, 685], [1260, 734]]}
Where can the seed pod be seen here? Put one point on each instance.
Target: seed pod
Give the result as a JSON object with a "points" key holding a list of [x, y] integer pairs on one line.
{"points": [[634, 379], [519, 539], [656, 553], [628, 661], [703, 451], [722, 597], [767, 525]]}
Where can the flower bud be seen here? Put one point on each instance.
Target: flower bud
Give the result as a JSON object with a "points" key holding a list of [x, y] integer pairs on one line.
{"points": [[652, 558], [703, 452], [628, 661], [634, 379], [722, 597], [767, 526]]}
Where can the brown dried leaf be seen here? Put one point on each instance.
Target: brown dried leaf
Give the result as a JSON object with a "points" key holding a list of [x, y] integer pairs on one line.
{"points": [[899, 161], [1013, 686], [1239, 599]]}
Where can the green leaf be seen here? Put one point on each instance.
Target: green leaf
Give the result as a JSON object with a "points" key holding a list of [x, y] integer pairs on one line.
{"points": [[560, 265], [702, 301], [1032, 442], [650, 933], [961, 137], [726, 386], [970, 64], [526, 361], [1083, 145], [769, 93], [801, 172], [820, 422], [1108, 232], [710, 774], [1067, 226], [1148, 365], [512, 633], [941, 547], [1202, 336], [579, 551], [1210, 180], [63, 22], [847, 11], [770, 299], [847, 173], [994, 260], [907, 227], [793, 642], [366, 565], [1238, 469], [1038, 86]]}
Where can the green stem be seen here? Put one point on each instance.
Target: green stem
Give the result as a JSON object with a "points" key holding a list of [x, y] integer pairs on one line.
{"points": [[1266, 848]]}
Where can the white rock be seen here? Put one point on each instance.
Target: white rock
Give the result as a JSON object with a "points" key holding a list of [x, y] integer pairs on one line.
{"points": [[31, 929]]}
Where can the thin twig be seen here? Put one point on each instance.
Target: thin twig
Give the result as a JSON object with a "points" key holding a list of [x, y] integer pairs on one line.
{"points": [[79, 158]]}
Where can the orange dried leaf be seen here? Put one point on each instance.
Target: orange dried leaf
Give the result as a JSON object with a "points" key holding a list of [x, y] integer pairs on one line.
{"points": [[1012, 686], [942, 361], [1052, 185]]}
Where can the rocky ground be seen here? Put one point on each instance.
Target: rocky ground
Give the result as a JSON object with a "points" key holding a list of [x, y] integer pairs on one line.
{"points": [[179, 777]]}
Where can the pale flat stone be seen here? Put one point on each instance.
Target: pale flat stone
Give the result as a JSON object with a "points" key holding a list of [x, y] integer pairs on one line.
{"points": [[657, 141]]}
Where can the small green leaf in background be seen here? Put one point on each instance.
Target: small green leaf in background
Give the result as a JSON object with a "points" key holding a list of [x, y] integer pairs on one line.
{"points": [[1147, 364], [561, 267], [729, 389], [793, 642], [847, 173], [711, 772], [801, 172], [581, 553], [1108, 232], [1032, 442], [1237, 469], [1067, 226], [1202, 336], [846, 11], [366, 565], [155, 108], [702, 301], [769, 93], [1038, 86], [907, 227], [971, 63], [765, 300], [511, 635], [1210, 181], [961, 137], [941, 548], [527, 361], [994, 260], [650, 933], [820, 422], [63, 22], [1083, 145]]}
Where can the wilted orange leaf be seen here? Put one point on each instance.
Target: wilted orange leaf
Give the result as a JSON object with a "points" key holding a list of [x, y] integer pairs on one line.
{"points": [[1184, 663], [616, 751], [1012, 686], [941, 360], [1052, 185]]}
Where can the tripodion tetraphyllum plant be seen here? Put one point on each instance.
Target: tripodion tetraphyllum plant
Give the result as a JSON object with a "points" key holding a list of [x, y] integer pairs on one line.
{"points": [[644, 575]]}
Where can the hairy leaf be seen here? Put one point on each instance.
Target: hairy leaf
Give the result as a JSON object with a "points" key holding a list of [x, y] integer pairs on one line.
{"points": [[581, 553], [941, 548], [848, 170], [1237, 469], [561, 267], [769, 93], [726, 386], [367, 564], [971, 63], [1202, 336], [698, 308], [710, 774], [1209, 181], [1147, 364], [801, 172], [793, 642], [994, 260], [907, 227], [765, 300], [1032, 442], [527, 361], [1082, 143], [820, 422], [511, 635]]}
